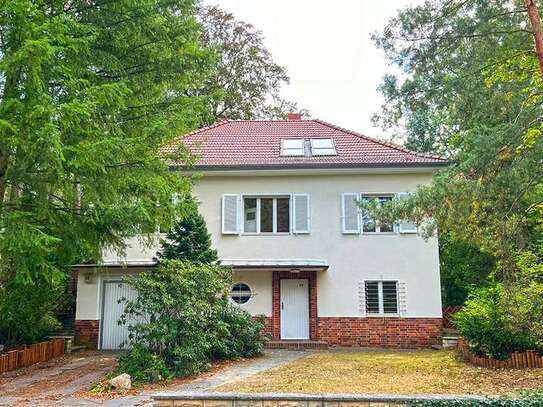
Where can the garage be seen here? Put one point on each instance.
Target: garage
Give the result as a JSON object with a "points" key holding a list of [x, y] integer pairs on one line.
{"points": [[113, 302]]}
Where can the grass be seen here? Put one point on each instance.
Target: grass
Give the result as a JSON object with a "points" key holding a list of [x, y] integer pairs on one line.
{"points": [[399, 372]]}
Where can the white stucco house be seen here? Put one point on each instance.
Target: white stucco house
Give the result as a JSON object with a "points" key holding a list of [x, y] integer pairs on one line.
{"points": [[279, 199]]}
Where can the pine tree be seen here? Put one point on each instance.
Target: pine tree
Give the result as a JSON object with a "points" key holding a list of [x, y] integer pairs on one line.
{"points": [[189, 240]]}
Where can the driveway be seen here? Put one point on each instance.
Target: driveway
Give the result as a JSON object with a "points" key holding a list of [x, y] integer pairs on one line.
{"points": [[65, 381], [50, 382]]}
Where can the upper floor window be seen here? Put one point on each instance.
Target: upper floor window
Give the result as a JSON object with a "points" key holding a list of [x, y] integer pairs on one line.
{"points": [[292, 147], [369, 225], [266, 214], [322, 146]]}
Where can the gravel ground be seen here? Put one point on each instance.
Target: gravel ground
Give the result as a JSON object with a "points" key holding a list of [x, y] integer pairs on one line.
{"points": [[65, 381]]}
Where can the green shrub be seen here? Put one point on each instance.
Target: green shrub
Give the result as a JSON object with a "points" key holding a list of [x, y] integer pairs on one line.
{"points": [[183, 316], [241, 337], [27, 310], [497, 321], [525, 400], [143, 366]]}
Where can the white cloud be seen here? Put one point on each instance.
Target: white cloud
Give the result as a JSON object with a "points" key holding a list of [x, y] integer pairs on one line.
{"points": [[326, 48]]}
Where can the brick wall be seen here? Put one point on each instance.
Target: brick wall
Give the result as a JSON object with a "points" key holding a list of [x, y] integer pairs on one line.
{"points": [[276, 301], [268, 325], [381, 332], [86, 332]]}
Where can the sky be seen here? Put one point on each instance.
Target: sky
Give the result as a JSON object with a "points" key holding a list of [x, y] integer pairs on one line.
{"points": [[326, 48]]}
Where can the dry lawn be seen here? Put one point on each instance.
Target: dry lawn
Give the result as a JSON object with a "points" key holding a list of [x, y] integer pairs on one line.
{"points": [[405, 372]]}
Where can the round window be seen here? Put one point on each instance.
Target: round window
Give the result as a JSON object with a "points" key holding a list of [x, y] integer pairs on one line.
{"points": [[241, 293]]}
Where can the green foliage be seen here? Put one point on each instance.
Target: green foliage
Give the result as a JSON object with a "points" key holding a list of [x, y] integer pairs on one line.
{"points": [[183, 316], [28, 310], [483, 323], [143, 366], [497, 321], [89, 92], [524, 400], [463, 268], [471, 89], [190, 241], [247, 81], [242, 335]]}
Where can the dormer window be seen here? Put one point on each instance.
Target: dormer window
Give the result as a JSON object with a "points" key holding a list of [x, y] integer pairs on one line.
{"points": [[292, 147], [322, 146]]}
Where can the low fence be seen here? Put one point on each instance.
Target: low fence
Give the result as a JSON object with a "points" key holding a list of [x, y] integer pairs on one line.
{"points": [[31, 354], [517, 360], [301, 400], [448, 313]]}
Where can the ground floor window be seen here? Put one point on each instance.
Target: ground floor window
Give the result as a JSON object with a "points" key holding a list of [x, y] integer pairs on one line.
{"points": [[381, 297], [240, 293]]}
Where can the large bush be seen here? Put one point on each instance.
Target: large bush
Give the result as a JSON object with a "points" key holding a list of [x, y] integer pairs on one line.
{"points": [[183, 316], [27, 309], [499, 320]]}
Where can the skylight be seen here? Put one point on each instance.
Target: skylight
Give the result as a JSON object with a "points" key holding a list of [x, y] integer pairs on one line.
{"points": [[322, 146], [292, 147]]}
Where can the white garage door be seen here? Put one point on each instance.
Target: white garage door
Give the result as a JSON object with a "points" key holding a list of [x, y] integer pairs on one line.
{"points": [[114, 334]]}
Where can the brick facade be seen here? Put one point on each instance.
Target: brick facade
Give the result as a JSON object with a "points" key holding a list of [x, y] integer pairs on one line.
{"points": [[388, 332], [87, 332], [276, 301]]}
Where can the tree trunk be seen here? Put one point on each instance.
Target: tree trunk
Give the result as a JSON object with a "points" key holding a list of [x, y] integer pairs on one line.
{"points": [[533, 14]]}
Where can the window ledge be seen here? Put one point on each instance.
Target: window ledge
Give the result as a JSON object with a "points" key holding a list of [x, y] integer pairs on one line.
{"points": [[383, 315], [266, 234]]}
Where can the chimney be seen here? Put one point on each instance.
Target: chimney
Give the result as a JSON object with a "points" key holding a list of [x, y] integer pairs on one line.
{"points": [[294, 116]]}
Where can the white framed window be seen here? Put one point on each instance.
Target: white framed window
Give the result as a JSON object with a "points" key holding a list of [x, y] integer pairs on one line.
{"points": [[381, 297], [355, 220], [369, 225], [266, 214], [292, 147], [322, 146], [240, 293]]}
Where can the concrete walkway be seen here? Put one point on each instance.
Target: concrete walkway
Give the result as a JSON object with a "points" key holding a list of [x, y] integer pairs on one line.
{"points": [[65, 394]]}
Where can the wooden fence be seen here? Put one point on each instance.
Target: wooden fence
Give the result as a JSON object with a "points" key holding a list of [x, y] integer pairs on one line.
{"points": [[517, 360], [31, 354], [448, 313]]}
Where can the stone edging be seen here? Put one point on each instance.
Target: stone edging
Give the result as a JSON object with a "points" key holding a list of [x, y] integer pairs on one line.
{"points": [[194, 399]]}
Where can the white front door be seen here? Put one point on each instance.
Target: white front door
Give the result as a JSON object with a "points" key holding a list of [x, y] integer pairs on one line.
{"points": [[114, 334], [294, 309]]}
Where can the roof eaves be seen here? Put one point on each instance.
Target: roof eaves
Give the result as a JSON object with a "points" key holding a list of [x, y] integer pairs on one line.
{"points": [[283, 166]]}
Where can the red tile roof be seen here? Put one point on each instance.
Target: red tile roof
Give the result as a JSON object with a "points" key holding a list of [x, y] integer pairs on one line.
{"points": [[256, 144]]}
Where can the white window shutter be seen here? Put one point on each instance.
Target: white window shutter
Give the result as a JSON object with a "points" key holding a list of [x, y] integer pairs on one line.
{"points": [[230, 214], [362, 297], [402, 298], [302, 213], [350, 213], [406, 226]]}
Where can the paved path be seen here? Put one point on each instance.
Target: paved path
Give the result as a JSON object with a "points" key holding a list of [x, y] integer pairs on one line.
{"points": [[25, 390]]}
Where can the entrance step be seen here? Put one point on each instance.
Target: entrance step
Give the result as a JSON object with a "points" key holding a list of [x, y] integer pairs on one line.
{"points": [[449, 342], [296, 345]]}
